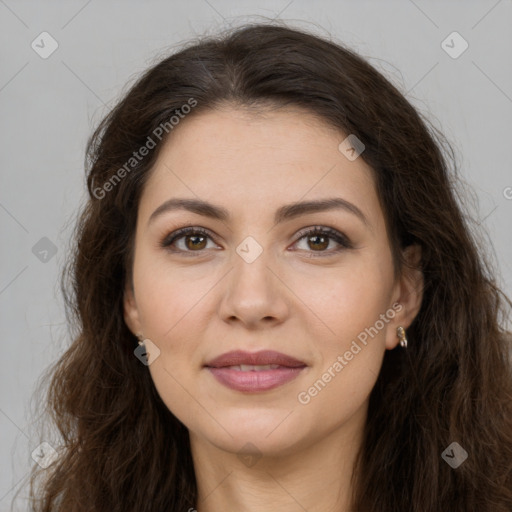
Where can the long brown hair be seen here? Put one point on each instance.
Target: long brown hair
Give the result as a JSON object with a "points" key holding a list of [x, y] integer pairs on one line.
{"points": [[121, 449]]}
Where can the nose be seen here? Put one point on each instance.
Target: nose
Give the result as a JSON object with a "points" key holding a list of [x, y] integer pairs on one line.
{"points": [[254, 294]]}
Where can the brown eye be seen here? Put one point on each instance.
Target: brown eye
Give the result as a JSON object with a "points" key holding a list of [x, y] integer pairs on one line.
{"points": [[318, 242], [195, 241], [318, 239], [187, 239]]}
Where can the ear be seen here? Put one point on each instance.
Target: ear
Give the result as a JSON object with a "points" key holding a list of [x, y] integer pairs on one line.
{"points": [[407, 295], [131, 313]]}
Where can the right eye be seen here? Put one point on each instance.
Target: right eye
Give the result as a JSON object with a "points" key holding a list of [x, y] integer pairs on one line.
{"points": [[194, 240]]}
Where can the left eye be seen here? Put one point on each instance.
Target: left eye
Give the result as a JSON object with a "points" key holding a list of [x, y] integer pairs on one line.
{"points": [[320, 238], [317, 238]]}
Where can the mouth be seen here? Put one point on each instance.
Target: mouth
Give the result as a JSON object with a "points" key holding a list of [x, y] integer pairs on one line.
{"points": [[253, 372]]}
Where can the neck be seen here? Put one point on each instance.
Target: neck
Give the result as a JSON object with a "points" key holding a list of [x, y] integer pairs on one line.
{"points": [[313, 476]]}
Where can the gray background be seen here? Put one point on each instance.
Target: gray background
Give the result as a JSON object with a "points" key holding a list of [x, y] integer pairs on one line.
{"points": [[50, 106]]}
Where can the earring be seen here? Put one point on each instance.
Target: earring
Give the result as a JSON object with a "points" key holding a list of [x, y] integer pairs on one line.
{"points": [[400, 332], [140, 337]]}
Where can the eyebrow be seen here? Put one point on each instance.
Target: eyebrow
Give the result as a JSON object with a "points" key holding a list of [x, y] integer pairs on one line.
{"points": [[284, 213]]}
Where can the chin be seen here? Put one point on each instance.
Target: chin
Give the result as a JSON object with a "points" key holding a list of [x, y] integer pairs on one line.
{"points": [[253, 430], [249, 443]]}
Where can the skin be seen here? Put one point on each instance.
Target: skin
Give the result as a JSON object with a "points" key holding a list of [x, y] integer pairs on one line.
{"points": [[199, 305]]}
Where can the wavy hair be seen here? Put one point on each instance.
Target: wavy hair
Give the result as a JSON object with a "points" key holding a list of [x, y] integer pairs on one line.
{"points": [[121, 449]]}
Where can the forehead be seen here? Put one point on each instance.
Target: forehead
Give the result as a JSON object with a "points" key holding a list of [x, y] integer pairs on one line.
{"points": [[248, 161]]}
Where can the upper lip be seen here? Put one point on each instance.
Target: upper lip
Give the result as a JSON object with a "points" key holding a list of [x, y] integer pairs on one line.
{"points": [[263, 357]]}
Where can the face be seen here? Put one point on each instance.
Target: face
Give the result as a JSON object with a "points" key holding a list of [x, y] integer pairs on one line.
{"points": [[314, 285]]}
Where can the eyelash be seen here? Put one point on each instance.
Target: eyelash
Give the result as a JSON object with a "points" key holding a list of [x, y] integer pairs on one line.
{"points": [[333, 234]]}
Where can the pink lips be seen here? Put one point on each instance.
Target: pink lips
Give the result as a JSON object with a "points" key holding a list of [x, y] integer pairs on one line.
{"points": [[284, 368]]}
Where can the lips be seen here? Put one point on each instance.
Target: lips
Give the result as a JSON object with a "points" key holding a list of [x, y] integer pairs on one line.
{"points": [[253, 372], [262, 358]]}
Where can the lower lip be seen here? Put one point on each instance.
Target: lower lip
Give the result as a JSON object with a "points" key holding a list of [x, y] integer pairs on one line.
{"points": [[255, 380]]}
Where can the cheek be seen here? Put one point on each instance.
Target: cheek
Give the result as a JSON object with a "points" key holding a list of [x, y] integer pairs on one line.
{"points": [[167, 296], [345, 301], [169, 305], [349, 346]]}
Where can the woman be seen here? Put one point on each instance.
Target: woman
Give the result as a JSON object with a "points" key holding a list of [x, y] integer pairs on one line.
{"points": [[279, 304]]}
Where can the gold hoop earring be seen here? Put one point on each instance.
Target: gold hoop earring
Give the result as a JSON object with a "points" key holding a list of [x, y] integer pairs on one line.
{"points": [[400, 332]]}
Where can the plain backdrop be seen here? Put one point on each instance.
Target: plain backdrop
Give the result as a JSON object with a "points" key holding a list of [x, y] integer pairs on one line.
{"points": [[49, 106]]}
